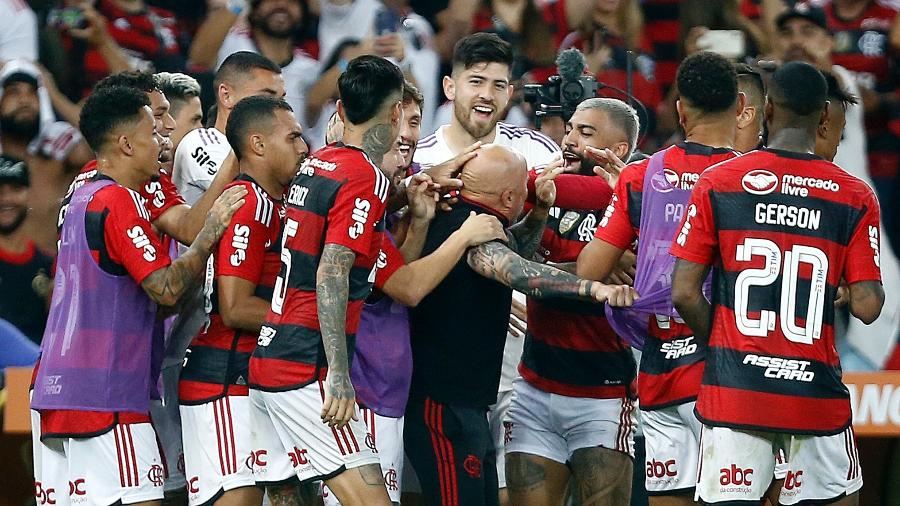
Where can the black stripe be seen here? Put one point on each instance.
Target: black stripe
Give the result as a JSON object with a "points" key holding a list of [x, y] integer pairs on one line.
{"points": [[654, 361], [214, 365], [321, 196], [297, 343], [303, 277], [635, 199], [579, 368], [738, 212], [726, 368], [573, 307]]}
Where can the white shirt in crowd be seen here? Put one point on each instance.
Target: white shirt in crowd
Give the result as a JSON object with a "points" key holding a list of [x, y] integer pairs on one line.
{"points": [[18, 31]]}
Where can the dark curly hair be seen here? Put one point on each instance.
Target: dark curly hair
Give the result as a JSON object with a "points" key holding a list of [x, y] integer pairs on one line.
{"points": [[108, 109], [707, 81]]}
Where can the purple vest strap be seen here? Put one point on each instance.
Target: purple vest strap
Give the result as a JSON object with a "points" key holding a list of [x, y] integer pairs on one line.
{"points": [[96, 351], [382, 365], [662, 207]]}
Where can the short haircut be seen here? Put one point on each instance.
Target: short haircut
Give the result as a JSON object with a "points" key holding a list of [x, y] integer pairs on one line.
{"points": [[142, 81], [800, 88], [107, 109], [708, 81], [750, 82], [367, 84], [836, 93], [482, 47], [412, 94], [251, 114], [240, 65], [620, 114], [178, 88]]}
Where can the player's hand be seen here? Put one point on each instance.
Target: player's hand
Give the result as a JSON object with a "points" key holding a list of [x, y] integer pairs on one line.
{"points": [[390, 45], [223, 209], [843, 295], [94, 32], [545, 187], [614, 295], [517, 317], [422, 197], [609, 166], [482, 228], [445, 173], [625, 271], [339, 406]]}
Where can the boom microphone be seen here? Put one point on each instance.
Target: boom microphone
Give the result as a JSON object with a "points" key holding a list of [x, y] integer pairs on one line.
{"points": [[570, 64]]}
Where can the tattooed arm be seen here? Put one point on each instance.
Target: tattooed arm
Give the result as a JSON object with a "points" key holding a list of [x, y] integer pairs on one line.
{"points": [[166, 286], [525, 236], [688, 298], [332, 295], [496, 261]]}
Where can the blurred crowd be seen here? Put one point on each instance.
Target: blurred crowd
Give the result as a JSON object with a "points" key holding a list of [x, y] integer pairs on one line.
{"points": [[54, 51]]}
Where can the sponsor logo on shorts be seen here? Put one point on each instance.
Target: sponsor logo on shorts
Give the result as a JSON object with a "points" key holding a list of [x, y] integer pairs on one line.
{"points": [[390, 479], [156, 475], [759, 182], [257, 459], [298, 457], [472, 465], [44, 495], [735, 480], [659, 469], [792, 480], [77, 492], [193, 485]]}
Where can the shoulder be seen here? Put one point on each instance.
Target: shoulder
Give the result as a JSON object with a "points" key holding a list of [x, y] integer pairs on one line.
{"points": [[634, 171], [202, 141], [121, 201], [525, 138]]}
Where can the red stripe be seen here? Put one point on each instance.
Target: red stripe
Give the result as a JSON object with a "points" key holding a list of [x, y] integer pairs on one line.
{"points": [[352, 436], [430, 420], [218, 435], [372, 429], [119, 458], [621, 427], [134, 468], [231, 435], [346, 441], [454, 486], [700, 467], [337, 440]]}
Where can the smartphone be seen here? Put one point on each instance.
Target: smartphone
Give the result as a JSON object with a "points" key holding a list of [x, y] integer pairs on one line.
{"points": [[729, 43], [66, 18], [387, 21]]}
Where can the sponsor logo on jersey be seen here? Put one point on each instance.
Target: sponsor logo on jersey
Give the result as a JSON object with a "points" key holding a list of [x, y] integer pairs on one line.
{"points": [[609, 211], [266, 334], [204, 160], [142, 242], [671, 177], [381, 263], [239, 242], [759, 182], [155, 188], [310, 164], [677, 348], [688, 180], [873, 242], [800, 185], [781, 368], [686, 228], [568, 221], [359, 215]]}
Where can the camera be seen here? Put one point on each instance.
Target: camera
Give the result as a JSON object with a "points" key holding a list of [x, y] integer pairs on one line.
{"points": [[562, 93]]}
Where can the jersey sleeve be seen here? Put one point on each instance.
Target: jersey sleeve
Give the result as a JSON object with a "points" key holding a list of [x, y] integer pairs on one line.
{"points": [[161, 195], [575, 192], [697, 240], [129, 237], [243, 245], [863, 251], [356, 211], [615, 226], [198, 158], [390, 260]]}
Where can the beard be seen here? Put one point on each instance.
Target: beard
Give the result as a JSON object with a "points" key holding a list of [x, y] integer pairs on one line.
{"points": [[464, 116], [586, 163], [264, 24], [12, 126], [8, 228]]}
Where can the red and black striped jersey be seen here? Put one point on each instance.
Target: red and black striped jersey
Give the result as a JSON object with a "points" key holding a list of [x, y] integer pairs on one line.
{"points": [[782, 230], [337, 198], [663, 28], [217, 359], [672, 360], [570, 349]]}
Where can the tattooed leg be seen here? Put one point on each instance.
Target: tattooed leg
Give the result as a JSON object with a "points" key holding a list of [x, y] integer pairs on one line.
{"points": [[363, 486], [534, 480], [601, 477]]}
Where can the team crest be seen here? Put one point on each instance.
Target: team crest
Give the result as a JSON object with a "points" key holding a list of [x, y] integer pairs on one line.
{"points": [[568, 221]]}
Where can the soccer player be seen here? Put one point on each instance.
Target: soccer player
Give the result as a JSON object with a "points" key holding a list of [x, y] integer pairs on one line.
{"points": [[772, 379], [213, 388], [456, 368], [183, 93], [479, 86], [94, 384], [572, 411], [331, 239], [708, 106], [202, 152], [750, 123]]}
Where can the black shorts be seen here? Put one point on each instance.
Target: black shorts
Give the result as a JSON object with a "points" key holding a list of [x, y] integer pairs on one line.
{"points": [[452, 451]]}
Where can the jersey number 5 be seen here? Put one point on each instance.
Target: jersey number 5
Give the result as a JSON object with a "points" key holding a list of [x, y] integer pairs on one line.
{"points": [[280, 289], [767, 275]]}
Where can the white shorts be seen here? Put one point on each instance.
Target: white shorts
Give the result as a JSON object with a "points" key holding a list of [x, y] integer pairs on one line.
{"points": [[123, 464], [497, 418], [554, 426], [387, 437], [672, 438], [217, 447], [738, 466], [272, 464], [320, 452], [167, 422]]}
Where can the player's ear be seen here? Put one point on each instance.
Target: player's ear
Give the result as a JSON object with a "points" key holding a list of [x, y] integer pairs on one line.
{"points": [[769, 111], [621, 150], [257, 145], [125, 145], [449, 88], [824, 118], [679, 107], [741, 102], [223, 93], [509, 91], [746, 117], [340, 111]]}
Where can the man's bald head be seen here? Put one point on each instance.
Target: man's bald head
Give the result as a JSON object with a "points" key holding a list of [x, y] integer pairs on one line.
{"points": [[497, 178]]}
